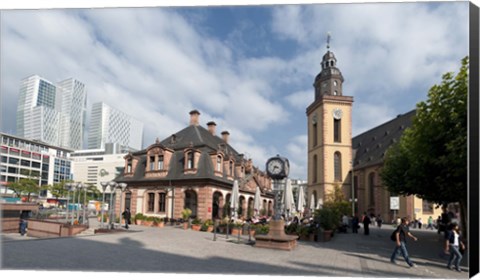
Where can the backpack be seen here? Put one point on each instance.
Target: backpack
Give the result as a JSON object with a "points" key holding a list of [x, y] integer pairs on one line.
{"points": [[393, 236]]}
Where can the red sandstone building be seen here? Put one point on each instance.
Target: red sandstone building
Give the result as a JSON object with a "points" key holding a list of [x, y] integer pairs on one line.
{"points": [[193, 168]]}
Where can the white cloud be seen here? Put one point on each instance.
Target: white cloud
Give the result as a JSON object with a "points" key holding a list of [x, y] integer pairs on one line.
{"points": [[300, 99]]}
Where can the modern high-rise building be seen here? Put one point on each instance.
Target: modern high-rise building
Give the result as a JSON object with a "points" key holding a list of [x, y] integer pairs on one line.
{"points": [[36, 115], [109, 125], [72, 104], [54, 114]]}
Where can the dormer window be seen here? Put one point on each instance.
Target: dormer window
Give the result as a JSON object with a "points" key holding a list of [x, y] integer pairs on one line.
{"points": [[160, 162], [219, 164], [190, 160], [230, 168], [152, 163], [129, 166]]}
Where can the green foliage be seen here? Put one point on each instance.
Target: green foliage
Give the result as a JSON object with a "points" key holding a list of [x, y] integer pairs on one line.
{"points": [[327, 218], [139, 217], [337, 203], [291, 228], [186, 213], [196, 221], [157, 220], [25, 186], [262, 229], [208, 222], [430, 160]]}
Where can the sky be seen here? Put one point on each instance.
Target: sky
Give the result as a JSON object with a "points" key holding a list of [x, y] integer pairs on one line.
{"points": [[248, 68]]}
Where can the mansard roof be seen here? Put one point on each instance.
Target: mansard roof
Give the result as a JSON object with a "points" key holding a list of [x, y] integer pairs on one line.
{"points": [[370, 146], [195, 137]]}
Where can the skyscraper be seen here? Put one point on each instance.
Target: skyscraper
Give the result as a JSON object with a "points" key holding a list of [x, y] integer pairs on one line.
{"points": [[109, 125], [51, 113], [72, 106], [36, 115]]}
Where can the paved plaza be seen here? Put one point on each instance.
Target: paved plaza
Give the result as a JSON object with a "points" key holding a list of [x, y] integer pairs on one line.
{"points": [[174, 250]]}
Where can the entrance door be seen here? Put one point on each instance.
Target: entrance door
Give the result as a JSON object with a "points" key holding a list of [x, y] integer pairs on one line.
{"points": [[191, 201]]}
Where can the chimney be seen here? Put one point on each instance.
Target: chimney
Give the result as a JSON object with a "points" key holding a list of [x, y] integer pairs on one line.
{"points": [[225, 135], [211, 127], [194, 116]]}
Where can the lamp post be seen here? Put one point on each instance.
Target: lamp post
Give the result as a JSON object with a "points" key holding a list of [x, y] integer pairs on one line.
{"points": [[73, 201], [67, 187], [80, 186], [84, 187], [122, 187], [353, 191], [104, 188], [113, 186]]}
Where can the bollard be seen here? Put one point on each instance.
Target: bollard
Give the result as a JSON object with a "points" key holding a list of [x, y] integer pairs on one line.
{"points": [[249, 237], [227, 230], [238, 241], [215, 230]]}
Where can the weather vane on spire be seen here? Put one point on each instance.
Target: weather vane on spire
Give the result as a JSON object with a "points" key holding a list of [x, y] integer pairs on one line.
{"points": [[328, 40]]}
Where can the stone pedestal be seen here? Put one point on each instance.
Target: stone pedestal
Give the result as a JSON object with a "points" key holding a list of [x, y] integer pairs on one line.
{"points": [[276, 238]]}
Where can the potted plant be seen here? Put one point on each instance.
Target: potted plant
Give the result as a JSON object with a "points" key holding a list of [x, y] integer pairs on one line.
{"points": [[208, 225], [252, 229], [185, 215], [261, 229], [139, 217], [327, 219], [196, 224], [148, 221], [303, 232], [237, 227], [158, 222]]}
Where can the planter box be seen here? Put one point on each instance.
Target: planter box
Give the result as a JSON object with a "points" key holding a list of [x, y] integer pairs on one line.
{"points": [[210, 229], [185, 226], [147, 223], [236, 231], [138, 222], [160, 225], [196, 227]]}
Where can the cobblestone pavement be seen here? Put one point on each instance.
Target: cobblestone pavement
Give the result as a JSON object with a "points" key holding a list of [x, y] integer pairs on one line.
{"points": [[174, 250]]}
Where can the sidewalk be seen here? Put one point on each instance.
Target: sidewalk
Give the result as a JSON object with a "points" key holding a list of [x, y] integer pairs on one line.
{"points": [[174, 250]]}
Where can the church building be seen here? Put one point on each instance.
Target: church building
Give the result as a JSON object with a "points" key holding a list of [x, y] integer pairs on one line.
{"points": [[333, 154]]}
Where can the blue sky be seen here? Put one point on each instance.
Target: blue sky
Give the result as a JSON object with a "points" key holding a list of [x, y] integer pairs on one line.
{"points": [[250, 69]]}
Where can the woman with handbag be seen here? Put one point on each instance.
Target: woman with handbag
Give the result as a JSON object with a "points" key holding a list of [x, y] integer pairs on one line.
{"points": [[455, 245]]}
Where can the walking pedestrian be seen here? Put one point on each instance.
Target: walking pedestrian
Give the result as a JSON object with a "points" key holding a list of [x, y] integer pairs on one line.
{"points": [[366, 223], [355, 225], [401, 242], [379, 221], [430, 223], [454, 242], [420, 223], [127, 216]]}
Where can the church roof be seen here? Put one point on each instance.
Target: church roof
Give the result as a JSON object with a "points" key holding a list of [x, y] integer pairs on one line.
{"points": [[369, 147]]}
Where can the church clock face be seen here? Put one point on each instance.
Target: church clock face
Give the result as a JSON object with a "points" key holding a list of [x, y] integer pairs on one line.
{"points": [[337, 113]]}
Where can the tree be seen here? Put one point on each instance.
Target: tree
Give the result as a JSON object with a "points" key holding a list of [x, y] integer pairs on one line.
{"points": [[26, 186], [430, 160]]}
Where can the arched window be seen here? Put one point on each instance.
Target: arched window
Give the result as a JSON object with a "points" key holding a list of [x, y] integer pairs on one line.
{"points": [[219, 163], [371, 188], [190, 160], [315, 134], [129, 166], [313, 200], [337, 165], [315, 166], [337, 127], [231, 168], [191, 201]]}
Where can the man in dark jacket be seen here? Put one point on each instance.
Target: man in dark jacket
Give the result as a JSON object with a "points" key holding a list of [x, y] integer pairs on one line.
{"points": [[366, 223], [401, 243], [127, 215]]}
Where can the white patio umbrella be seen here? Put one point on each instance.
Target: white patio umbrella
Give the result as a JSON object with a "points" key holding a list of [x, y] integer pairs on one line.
{"points": [[234, 199], [301, 200], [257, 201], [288, 200], [312, 203]]}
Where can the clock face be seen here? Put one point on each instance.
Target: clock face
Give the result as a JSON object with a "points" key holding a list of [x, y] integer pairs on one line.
{"points": [[337, 113], [274, 167]]}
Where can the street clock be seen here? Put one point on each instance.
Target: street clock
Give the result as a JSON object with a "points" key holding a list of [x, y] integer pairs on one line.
{"points": [[278, 167]]}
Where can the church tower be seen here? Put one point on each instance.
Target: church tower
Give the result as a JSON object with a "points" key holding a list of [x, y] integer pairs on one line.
{"points": [[329, 134]]}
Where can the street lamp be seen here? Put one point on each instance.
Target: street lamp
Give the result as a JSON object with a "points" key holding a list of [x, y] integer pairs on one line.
{"points": [[122, 187], [84, 187], [80, 186], [112, 185], [67, 187], [104, 188], [74, 187], [353, 192]]}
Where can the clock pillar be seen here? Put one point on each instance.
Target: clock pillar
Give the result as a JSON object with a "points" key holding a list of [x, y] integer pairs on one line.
{"points": [[329, 134]]}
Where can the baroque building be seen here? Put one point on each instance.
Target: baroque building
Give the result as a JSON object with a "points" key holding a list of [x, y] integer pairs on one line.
{"points": [[193, 168]]}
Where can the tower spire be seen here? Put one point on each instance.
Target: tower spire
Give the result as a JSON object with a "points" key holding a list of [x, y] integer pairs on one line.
{"points": [[328, 40]]}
